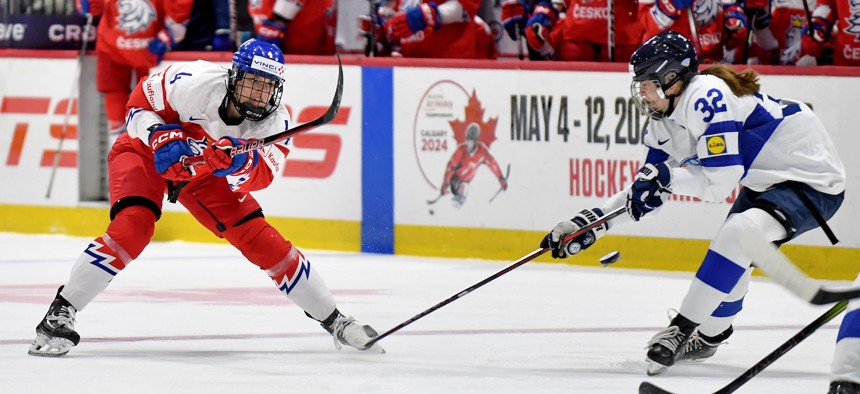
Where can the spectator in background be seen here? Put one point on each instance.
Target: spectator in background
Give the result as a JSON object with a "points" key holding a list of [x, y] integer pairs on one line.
{"points": [[133, 36], [833, 28], [717, 26], [296, 26], [580, 32], [208, 27], [448, 29]]}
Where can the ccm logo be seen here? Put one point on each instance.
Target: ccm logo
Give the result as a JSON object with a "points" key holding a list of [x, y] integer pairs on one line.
{"points": [[166, 136], [329, 143]]}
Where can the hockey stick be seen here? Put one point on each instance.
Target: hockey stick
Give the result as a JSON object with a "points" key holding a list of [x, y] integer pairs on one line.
{"points": [[694, 32], [779, 268], [525, 259], [80, 66], [507, 174], [648, 388], [370, 46], [234, 26], [519, 42], [327, 117], [433, 201], [610, 27]]}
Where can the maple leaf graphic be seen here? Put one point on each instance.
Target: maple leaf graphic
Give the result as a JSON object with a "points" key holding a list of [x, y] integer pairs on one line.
{"points": [[475, 114]]}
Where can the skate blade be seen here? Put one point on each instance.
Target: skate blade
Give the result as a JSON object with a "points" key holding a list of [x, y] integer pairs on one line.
{"points": [[374, 349], [655, 368], [45, 346]]}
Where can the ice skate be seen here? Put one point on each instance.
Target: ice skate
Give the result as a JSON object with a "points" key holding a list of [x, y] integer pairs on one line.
{"points": [[663, 347], [55, 334], [844, 387], [346, 331], [700, 347]]}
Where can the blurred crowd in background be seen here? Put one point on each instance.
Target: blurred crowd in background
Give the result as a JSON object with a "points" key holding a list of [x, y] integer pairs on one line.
{"points": [[137, 33]]}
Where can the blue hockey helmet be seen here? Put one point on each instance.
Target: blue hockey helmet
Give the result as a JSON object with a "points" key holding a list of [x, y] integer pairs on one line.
{"points": [[665, 59], [256, 79]]}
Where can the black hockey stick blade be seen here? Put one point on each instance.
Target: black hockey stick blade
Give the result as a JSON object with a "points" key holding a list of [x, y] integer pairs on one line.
{"points": [[510, 267], [326, 118], [433, 201], [648, 388], [779, 268]]}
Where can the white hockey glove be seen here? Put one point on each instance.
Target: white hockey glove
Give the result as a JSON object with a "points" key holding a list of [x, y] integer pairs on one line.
{"points": [[554, 240]]}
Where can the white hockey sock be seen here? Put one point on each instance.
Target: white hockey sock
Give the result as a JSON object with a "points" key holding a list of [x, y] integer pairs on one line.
{"points": [[295, 278], [95, 268]]}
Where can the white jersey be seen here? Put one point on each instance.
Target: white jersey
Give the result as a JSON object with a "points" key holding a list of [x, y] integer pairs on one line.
{"points": [[190, 94], [715, 140]]}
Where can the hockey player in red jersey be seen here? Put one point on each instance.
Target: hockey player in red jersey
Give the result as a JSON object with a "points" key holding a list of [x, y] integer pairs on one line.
{"points": [[298, 27], [464, 164], [716, 26], [198, 109], [835, 25], [429, 29], [133, 36]]}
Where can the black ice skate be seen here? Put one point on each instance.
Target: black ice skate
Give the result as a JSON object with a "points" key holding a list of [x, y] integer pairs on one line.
{"points": [[345, 330], [56, 335], [663, 347], [700, 347], [844, 387]]}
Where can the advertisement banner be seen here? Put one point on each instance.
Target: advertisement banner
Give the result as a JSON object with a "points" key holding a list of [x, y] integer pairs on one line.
{"points": [[46, 32]]}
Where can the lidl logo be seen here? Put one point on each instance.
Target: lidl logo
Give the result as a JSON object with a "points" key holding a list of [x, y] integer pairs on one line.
{"points": [[716, 145]]}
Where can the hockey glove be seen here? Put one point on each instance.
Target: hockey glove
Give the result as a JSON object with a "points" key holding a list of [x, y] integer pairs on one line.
{"points": [[539, 26], [272, 32], [169, 145], [735, 25], [514, 17], [161, 44], [222, 41], [672, 8], [758, 9], [555, 239], [414, 19], [218, 158], [94, 8], [652, 183]]}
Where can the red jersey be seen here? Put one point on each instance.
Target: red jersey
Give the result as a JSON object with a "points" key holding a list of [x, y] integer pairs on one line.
{"points": [[464, 165], [311, 30], [587, 20], [786, 25], [127, 27], [470, 39], [846, 39], [708, 16]]}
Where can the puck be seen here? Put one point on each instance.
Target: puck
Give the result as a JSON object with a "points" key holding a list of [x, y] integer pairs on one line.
{"points": [[610, 258]]}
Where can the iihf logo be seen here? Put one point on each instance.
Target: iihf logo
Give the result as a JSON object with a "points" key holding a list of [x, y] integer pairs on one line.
{"points": [[134, 15]]}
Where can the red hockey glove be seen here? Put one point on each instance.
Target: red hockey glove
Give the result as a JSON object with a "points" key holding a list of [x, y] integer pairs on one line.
{"points": [[672, 8], [218, 158], [539, 26], [514, 17], [272, 32], [735, 26], [414, 19]]}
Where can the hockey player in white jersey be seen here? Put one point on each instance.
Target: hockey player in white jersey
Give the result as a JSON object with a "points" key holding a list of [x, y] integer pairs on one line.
{"points": [[198, 109], [845, 369], [710, 131]]}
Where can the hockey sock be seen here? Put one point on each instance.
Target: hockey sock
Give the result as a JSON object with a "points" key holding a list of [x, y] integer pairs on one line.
{"points": [[106, 256]]}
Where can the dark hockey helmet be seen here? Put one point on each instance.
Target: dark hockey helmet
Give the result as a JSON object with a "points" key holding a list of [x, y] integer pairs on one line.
{"points": [[259, 67], [473, 131], [664, 60]]}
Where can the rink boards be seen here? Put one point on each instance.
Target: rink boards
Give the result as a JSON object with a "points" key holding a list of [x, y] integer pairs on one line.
{"points": [[567, 136]]}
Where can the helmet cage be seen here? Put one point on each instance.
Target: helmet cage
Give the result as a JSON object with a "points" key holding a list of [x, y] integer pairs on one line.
{"points": [[255, 85]]}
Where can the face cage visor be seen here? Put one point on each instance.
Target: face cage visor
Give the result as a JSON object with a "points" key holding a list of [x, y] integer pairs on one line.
{"points": [[636, 91], [256, 96]]}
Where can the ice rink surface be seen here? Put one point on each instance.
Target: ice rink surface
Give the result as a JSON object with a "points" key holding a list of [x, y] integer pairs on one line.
{"points": [[198, 318]]}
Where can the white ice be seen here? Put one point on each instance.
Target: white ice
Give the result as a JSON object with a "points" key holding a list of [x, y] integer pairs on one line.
{"points": [[188, 318]]}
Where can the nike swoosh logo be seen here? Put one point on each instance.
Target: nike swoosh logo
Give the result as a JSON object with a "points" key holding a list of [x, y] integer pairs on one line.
{"points": [[192, 119], [663, 142]]}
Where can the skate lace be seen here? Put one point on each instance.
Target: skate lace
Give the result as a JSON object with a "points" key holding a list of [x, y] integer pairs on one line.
{"points": [[697, 343], [337, 329], [62, 316], [670, 338]]}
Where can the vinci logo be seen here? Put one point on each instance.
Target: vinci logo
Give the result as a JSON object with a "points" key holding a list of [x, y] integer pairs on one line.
{"points": [[29, 106]]}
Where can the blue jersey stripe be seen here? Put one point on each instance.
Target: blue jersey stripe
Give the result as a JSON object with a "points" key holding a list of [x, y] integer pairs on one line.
{"points": [[719, 272], [850, 327], [656, 156], [728, 309], [723, 127]]}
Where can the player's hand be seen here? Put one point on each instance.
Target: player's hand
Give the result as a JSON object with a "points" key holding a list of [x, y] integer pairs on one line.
{"points": [[94, 8], [373, 26], [653, 183], [514, 17], [672, 8], [821, 31], [161, 44], [555, 239], [218, 158], [169, 146], [414, 19], [539, 26], [272, 32], [735, 25]]}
